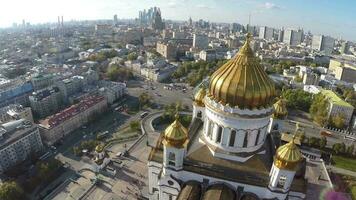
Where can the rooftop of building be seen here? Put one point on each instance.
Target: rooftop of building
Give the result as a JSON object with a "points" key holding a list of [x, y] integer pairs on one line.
{"points": [[335, 99], [68, 113], [14, 130], [42, 94]]}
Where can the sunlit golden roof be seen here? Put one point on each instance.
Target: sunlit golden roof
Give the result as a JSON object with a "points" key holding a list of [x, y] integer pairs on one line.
{"points": [[288, 156], [175, 134], [99, 148], [199, 97], [280, 109], [242, 82]]}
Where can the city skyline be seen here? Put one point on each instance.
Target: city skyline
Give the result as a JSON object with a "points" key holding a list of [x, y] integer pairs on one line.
{"points": [[331, 18]]}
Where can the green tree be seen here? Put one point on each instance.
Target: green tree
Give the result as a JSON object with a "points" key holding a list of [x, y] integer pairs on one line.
{"points": [[338, 121], [116, 73], [144, 99], [339, 148], [11, 191], [319, 109], [313, 142], [297, 99], [132, 56], [135, 125], [322, 142], [350, 150]]}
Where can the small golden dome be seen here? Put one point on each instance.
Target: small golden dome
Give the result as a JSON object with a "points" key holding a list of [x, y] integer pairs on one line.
{"points": [[280, 109], [288, 156], [176, 134], [242, 82], [99, 148], [199, 97]]}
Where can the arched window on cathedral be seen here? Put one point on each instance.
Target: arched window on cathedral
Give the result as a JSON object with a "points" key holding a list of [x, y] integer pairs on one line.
{"points": [[245, 139], [199, 114], [219, 134], [232, 138], [258, 136], [210, 131], [171, 159]]}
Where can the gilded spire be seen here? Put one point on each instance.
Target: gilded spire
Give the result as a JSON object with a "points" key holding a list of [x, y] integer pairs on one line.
{"points": [[280, 109], [288, 156], [176, 134], [242, 82], [199, 97]]}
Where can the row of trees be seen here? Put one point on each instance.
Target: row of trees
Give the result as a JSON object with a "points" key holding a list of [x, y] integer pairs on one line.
{"points": [[145, 100], [195, 72], [342, 149], [116, 73], [297, 99], [102, 56], [11, 191]]}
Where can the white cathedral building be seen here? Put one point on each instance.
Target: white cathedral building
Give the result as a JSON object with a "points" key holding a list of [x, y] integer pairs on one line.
{"points": [[229, 151]]}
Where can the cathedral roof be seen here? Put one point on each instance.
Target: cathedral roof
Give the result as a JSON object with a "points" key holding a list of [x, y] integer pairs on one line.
{"points": [[190, 191], [176, 134], [242, 82], [219, 192], [199, 97]]}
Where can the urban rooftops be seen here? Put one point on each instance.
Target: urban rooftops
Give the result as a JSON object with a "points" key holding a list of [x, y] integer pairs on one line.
{"points": [[69, 112], [335, 99]]}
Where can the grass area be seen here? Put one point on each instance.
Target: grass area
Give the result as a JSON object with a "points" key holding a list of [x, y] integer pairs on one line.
{"points": [[344, 162], [353, 192]]}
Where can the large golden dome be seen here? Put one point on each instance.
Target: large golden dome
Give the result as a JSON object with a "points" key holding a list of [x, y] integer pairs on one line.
{"points": [[176, 134], [288, 156], [199, 97], [242, 82]]}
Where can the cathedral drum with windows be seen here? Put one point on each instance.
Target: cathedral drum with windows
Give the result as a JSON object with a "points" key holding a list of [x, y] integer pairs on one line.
{"points": [[228, 152]]}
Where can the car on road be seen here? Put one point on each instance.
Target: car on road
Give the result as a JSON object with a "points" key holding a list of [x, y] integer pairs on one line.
{"points": [[326, 133], [144, 114]]}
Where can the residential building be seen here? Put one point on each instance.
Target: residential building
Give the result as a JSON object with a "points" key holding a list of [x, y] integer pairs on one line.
{"points": [[337, 106], [15, 91], [200, 42], [40, 81], [293, 37], [311, 79], [167, 50], [112, 90], [46, 102], [207, 55], [72, 85], [324, 44], [345, 47], [55, 127], [313, 89], [266, 33], [15, 112], [343, 70], [18, 140]]}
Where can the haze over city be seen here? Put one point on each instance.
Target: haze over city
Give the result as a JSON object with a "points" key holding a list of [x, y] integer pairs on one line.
{"points": [[335, 18]]}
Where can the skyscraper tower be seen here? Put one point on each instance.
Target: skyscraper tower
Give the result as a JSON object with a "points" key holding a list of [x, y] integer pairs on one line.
{"points": [[157, 23]]}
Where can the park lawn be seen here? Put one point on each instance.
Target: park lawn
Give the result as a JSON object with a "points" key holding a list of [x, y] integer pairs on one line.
{"points": [[344, 162], [353, 192]]}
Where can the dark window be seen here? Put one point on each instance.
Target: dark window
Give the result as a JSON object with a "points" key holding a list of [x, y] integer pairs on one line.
{"points": [[171, 159], [257, 137], [281, 182], [199, 114], [245, 140], [232, 138], [218, 137]]}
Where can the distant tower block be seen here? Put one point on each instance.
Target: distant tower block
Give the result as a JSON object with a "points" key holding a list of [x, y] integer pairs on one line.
{"points": [[62, 21]]}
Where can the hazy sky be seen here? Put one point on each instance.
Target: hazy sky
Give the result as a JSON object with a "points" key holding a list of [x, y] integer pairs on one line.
{"points": [[330, 17]]}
